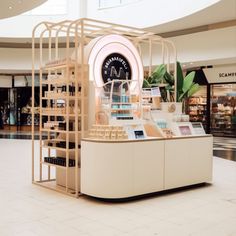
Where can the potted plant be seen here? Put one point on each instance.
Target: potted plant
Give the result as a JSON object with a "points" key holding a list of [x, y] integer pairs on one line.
{"points": [[162, 79], [165, 81], [185, 86]]}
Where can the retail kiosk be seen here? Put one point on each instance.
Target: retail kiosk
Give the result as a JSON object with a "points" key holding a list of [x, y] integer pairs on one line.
{"points": [[103, 138]]}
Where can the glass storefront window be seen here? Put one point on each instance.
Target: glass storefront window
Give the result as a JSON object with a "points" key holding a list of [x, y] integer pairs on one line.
{"points": [[223, 110]]}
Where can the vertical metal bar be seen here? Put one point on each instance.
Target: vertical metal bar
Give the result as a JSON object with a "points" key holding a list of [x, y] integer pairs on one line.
{"points": [[49, 134], [150, 57], [67, 106], [208, 110], [82, 80], [76, 111], [40, 105], [163, 51], [33, 77]]}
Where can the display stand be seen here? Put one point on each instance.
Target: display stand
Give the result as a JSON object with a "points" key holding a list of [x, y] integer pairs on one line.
{"points": [[124, 169], [94, 104], [65, 118]]}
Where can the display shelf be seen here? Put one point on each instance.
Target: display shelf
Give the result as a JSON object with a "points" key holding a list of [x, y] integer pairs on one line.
{"points": [[223, 108], [122, 109], [116, 98], [61, 97], [59, 66], [196, 109], [59, 162], [58, 148], [58, 131], [56, 114], [52, 185], [64, 65], [58, 82], [53, 165], [63, 111]]}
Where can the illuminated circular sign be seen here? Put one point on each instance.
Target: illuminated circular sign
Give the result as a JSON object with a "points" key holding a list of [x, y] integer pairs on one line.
{"points": [[116, 66], [114, 57]]}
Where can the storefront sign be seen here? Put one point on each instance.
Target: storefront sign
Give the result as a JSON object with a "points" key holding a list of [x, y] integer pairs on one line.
{"points": [[25, 81], [221, 74], [5, 81]]}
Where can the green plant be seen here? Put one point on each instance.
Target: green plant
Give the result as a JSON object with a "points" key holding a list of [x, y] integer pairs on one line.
{"points": [[162, 79], [165, 81], [185, 85]]}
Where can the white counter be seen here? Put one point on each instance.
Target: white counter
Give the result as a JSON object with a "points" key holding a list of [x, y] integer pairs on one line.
{"points": [[121, 169]]}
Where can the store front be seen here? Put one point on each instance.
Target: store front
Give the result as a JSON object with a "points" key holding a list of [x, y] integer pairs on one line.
{"points": [[4, 107], [223, 109], [215, 103], [16, 102]]}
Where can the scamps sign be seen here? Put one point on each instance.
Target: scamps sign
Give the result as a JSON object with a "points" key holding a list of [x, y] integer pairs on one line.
{"points": [[226, 74]]}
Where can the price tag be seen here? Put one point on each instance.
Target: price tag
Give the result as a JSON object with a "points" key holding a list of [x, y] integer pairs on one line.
{"points": [[155, 92]]}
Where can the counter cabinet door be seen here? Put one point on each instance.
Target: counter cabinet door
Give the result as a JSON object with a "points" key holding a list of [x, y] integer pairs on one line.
{"points": [[107, 169], [188, 161], [148, 167]]}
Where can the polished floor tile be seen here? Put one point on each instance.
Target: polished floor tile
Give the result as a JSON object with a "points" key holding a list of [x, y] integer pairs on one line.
{"points": [[28, 209], [225, 148]]}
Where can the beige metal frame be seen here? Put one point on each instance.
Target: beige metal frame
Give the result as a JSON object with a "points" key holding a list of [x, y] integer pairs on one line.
{"points": [[56, 42]]}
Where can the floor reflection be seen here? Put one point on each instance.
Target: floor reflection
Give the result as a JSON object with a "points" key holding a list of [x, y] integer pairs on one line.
{"points": [[226, 154]]}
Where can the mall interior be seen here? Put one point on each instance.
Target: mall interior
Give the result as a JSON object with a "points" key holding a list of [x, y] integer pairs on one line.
{"points": [[118, 117]]}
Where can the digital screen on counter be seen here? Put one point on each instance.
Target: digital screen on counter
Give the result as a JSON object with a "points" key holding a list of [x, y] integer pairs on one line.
{"points": [[185, 130], [138, 134], [197, 125]]}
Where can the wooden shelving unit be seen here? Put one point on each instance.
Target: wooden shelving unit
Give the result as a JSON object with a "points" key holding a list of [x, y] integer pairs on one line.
{"points": [[63, 107], [197, 109], [71, 111]]}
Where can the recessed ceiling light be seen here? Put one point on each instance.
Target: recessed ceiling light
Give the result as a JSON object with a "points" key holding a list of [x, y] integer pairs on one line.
{"points": [[10, 7]]}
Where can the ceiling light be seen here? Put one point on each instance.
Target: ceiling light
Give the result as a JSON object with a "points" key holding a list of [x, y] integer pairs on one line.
{"points": [[191, 63], [10, 7]]}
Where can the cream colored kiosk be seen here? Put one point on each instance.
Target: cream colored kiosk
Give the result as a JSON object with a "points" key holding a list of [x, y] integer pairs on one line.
{"points": [[129, 168], [114, 167], [101, 140]]}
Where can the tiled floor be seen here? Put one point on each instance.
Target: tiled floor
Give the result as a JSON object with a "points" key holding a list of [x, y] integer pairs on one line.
{"points": [[5, 134], [225, 148], [29, 210]]}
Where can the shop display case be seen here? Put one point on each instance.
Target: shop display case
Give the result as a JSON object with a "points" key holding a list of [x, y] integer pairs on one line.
{"points": [[223, 113], [103, 144], [63, 110], [116, 100], [196, 109]]}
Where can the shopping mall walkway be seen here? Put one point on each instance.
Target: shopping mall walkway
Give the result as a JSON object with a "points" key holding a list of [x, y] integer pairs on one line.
{"points": [[30, 210], [4, 134], [223, 147]]}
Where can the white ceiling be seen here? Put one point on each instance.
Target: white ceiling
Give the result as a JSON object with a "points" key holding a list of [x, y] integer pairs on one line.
{"points": [[224, 10], [16, 7]]}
